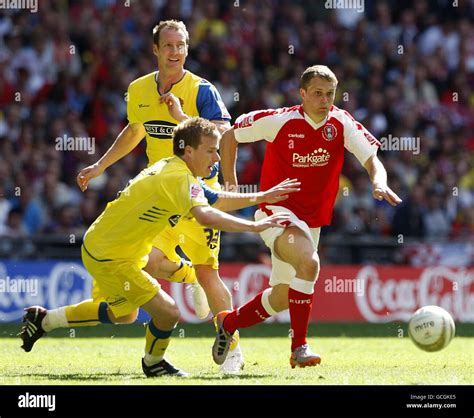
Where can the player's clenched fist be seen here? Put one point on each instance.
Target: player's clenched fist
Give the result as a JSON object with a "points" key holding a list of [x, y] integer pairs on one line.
{"points": [[87, 174]]}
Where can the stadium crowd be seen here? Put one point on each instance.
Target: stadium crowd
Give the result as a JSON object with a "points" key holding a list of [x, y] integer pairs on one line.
{"points": [[405, 70]]}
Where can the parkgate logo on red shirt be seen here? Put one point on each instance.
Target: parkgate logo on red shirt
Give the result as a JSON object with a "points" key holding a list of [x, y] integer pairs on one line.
{"points": [[318, 158]]}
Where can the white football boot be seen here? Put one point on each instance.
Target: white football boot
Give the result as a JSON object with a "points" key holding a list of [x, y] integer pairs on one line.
{"points": [[234, 362]]}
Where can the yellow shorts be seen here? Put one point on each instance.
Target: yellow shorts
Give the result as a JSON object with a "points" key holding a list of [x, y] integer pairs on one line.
{"points": [[201, 245], [122, 284]]}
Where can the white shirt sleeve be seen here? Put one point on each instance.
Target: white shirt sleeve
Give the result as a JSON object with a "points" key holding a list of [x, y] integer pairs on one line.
{"points": [[358, 140], [260, 124]]}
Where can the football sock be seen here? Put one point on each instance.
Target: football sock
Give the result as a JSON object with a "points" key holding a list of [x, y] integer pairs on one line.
{"points": [[157, 342], [251, 313], [84, 314], [234, 344], [300, 297], [55, 318], [87, 313], [184, 274]]}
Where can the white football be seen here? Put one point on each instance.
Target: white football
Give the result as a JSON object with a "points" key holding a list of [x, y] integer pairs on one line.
{"points": [[431, 328]]}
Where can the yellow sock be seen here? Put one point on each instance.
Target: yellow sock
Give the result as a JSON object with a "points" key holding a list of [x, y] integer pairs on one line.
{"points": [[157, 342], [87, 313], [235, 340], [185, 274]]}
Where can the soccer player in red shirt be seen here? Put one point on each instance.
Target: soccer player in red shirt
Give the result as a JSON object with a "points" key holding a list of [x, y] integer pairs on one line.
{"points": [[305, 142]]}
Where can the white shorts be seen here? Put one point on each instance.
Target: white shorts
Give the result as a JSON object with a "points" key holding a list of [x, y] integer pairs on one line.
{"points": [[283, 273]]}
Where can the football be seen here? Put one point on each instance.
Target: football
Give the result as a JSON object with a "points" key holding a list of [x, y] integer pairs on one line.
{"points": [[431, 328]]}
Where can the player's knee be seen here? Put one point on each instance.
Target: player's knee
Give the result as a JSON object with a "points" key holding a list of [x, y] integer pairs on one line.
{"points": [[172, 314], [206, 275], [155, 260], [309, 269]]}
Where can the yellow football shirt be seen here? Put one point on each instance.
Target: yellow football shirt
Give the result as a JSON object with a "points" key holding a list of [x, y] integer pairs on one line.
{"points": [[198, 97], [157, 197]]}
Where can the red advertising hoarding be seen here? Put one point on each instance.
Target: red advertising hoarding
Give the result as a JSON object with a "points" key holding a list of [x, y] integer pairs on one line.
{"points": [[356, 293]]}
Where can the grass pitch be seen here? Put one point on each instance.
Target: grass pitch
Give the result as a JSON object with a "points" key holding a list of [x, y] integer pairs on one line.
{"points": [[352, 354]]}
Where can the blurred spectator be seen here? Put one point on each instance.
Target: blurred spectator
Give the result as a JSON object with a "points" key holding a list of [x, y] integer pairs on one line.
{"points": [[406, 71], [408, 220], [4, 206], [436, 222], [13, 226]]}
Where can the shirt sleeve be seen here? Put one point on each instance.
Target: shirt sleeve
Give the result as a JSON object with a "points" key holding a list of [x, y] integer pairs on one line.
{"points": [[260, 124], [209, 103], [211, 195], [194, 194], [132, 106], [358, 140]]}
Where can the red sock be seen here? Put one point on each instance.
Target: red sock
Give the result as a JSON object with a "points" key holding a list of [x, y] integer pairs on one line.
{"points": [[247, 315], [300, 310]]}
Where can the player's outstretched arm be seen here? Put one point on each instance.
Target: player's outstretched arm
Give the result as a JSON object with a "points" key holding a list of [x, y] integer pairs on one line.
{"points": [[216, 219], [228, 153], [378, 177], [228, 201], [126, 141]]}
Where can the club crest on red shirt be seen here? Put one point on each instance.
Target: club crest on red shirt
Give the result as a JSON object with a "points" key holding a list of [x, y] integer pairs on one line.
{"points": [[329, 132]]}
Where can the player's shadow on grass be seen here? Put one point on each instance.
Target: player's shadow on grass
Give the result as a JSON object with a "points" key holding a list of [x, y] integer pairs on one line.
{"points": [[77, 376], [138, 376], [241, 376]]}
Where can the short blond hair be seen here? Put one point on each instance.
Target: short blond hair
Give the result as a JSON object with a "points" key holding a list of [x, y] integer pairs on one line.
{"points": [[316, 71], [190, 132], [173, 24]]}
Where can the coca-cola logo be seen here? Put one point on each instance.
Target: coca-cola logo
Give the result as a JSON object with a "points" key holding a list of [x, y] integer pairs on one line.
{"points": [[396, 299], [65, 284]]}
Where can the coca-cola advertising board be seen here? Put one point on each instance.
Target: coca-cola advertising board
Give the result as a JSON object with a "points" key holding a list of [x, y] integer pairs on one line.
{"points": [[342, 293]]}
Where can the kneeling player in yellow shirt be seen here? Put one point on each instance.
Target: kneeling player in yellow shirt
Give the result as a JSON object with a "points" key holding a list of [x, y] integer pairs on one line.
{"points": [[117, 244]]}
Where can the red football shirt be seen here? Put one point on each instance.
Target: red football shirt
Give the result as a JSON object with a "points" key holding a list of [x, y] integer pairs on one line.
{"points": [[311, 152]]}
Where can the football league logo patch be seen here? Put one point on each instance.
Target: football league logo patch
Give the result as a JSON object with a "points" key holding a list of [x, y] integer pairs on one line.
{"points": [[195, 191], [329, 132]]}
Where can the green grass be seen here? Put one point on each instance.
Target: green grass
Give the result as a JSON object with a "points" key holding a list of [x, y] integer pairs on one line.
{"points": [[353, 354]]}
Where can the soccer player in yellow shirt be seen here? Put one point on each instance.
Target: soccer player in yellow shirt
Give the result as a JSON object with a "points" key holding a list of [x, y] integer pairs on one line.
{"points": [[156, 103], [117, 245]]}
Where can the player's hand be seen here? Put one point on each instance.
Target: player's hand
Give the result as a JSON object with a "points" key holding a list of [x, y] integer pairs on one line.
{"points": [[87, 174], [382, 191], [174, 106], [278, 220], [280, 191]]}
